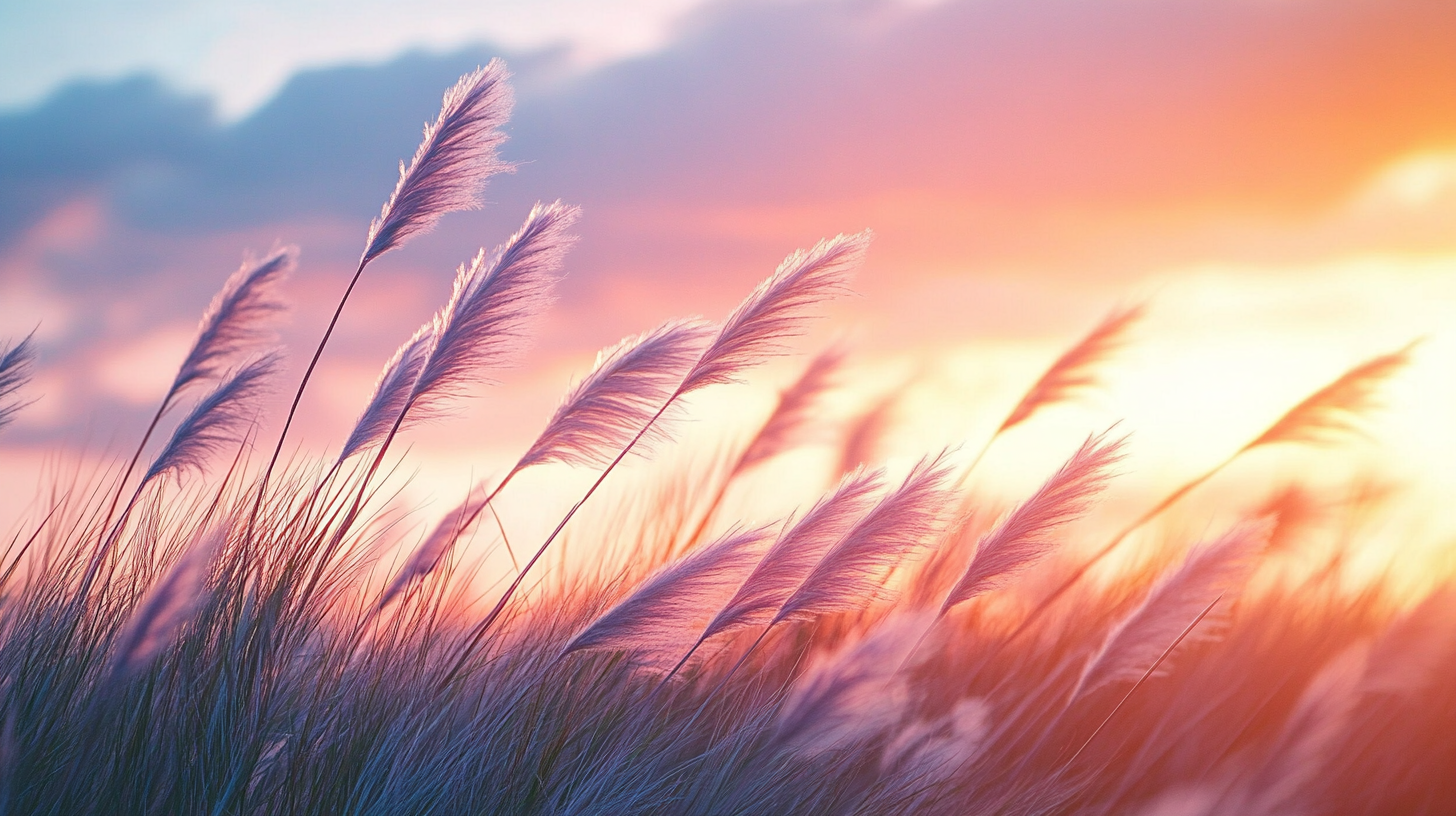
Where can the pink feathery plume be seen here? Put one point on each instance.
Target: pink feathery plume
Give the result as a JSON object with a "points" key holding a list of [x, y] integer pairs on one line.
{"points": [[391, 393], [757, 329], [796, 409], [849, 574], [426, 556], [485, 325], [629, 384], [854, 694], [774, 312], [235, 321], [652, 621], [796, 552], [16, 365], [217, 420], [456, 156], [1336, 409], [155, 622], [1024, 537], [1076, 370], [868, 431], [1214, 572]]}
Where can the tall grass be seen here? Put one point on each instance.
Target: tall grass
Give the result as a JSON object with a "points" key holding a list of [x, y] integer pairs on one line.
{"points": [[237, 641]]}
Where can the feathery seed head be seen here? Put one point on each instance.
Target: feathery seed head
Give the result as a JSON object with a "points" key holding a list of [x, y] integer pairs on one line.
{"points": [[630, 383], [236, 320], [217, 420], [1336, 409], [797, 550], [1024, 536], [656, 618], [1213, 572], [1076, 370], [850, 573], [854, 694], [486, 324], [427, 556], [776, 311], [16, 365], [795, 410], [452, 163]]}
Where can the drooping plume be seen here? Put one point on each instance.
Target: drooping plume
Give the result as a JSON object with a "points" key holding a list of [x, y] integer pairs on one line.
{"points": [[426, 556], [16, 364], [775, 311], [1214, 572], [164, 610], [1024, 536], [657, 617], [1337, 408], [796, 552], [849, 574], [236, 320], [868, 431], [391, 393], [854, 694], [449, 169], [216, 421], [796, 409], [630, 382], [486, 323], [1076, 370]]}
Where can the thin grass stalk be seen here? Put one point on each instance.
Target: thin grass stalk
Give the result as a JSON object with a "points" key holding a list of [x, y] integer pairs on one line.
{"points": [[483, 325], [1069, 375], [1149, 673], [478, 631], [208, 426], [1320, 419], [754, 330], [456, 156], [29, 541], [773, 435], [227, 327], [262, 489], [723, 681]]}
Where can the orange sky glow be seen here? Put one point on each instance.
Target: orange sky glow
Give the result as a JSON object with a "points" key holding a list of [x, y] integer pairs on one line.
{"points": [[1275, 180]]}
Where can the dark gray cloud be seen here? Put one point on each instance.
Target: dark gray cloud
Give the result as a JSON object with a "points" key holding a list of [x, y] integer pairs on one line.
{"points": [[92, 135], [326, 143]]}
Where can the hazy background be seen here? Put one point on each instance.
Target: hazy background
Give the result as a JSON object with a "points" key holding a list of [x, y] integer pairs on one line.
{"points": [[1276, 177]]}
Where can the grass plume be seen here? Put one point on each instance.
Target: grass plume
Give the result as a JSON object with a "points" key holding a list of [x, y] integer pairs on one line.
{"points": [[267, 639], [455, 157], [1024, 537], [16, 365]]}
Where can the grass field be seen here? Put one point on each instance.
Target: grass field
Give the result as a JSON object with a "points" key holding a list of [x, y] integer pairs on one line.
{"points": [[214, 628]]}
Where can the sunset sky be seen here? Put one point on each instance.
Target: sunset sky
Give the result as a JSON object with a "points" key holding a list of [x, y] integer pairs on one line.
{"points": [[1276, 178]]}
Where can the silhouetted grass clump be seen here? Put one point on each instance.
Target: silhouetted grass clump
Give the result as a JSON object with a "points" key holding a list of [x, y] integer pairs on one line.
{"points": [[238, 644]]}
